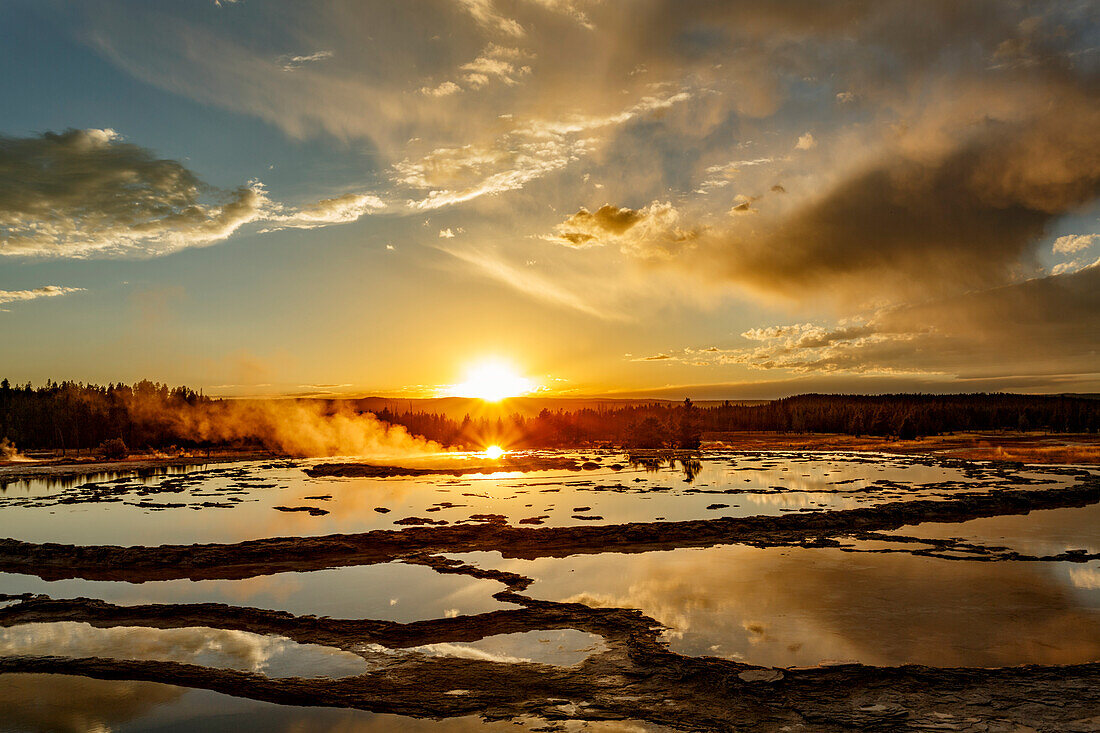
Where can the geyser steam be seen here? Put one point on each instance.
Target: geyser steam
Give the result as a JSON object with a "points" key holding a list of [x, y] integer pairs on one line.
{"points": [[298, 428]]}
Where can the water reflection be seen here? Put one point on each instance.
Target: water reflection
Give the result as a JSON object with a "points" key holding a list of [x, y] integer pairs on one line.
{"points": [[273, 656], [562, 648], [654, 461], [389, 591], [31, 703], [239, 502], [793, 607], [47, 483], [1041, 532]]}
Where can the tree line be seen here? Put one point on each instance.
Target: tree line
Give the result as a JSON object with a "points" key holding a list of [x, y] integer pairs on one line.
{"points": [[67, 416], [684, 425]]}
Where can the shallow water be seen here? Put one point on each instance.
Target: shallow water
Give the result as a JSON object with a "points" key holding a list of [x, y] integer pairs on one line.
{"points": [[35, 702], [238, 502], [797, 607], [387, 591], [272, 656], [562, 648], [869, 601], [1040, 532]]}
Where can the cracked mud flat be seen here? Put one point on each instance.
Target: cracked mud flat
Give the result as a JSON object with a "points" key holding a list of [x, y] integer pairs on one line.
{"points": [[703, 623]]}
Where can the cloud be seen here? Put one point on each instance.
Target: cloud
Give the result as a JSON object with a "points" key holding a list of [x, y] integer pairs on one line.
{"points": [[290, 63], [86, 193], [577, 280], [742, 204], [486, 16], [478, 172], [528, 151], [339, 210], [654, 232], [445, 89], [586, 228], [1046, 330], [568, 8], [495, 62], [919, 223], [535, 284], [1072, 243], [972, 136], [720, 176], [1075, 265], [47, 291]]}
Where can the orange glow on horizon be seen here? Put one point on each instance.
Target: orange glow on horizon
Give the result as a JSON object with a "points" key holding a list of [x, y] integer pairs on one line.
{"points": [[493, 381]]}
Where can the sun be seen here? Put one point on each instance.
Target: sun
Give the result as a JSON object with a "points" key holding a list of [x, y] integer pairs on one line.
{"points": [[493, 381], [494, 452]]}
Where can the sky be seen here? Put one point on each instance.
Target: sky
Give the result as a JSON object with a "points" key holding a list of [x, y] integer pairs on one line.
{"points": [[638, 198]]}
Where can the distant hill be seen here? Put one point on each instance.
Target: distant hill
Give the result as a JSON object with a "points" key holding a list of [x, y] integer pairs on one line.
{"points": [[458, 407]]}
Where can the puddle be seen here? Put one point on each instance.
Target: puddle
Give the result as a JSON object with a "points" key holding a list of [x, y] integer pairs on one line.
{"points": [[1040, 532], [800, 607], [388, 591], [560, 648], [272, 656], [30, 703]]}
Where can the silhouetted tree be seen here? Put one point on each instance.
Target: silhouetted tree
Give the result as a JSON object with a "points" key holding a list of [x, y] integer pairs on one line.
{"points": [[691, 435]]}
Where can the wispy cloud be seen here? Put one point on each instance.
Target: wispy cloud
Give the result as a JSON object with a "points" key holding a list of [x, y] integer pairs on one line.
{"points": [[290, 63], [530, 150], [445, 89], [338, 210], [47, 291], [486, 15], [531, 282], [495, 62], [720, 176]]}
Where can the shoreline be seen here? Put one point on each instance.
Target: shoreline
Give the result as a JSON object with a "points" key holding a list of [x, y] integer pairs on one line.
{"points": [[11, 471], [1037, 448]]}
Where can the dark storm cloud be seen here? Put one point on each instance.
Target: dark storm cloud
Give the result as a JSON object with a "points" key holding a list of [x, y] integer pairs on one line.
{"points": [[984, 121], [85, 193], [973, 218], [82, 192]]}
